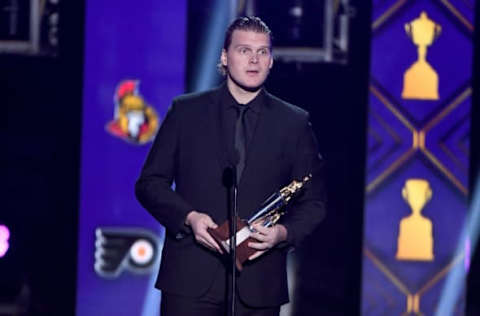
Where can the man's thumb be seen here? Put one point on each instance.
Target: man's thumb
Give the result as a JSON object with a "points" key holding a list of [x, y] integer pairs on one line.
{"points": [[211, 223]]}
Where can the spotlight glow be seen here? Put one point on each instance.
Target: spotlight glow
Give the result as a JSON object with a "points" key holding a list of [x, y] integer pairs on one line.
{"points": [[4, 236], [467, 244], [206, 73]]}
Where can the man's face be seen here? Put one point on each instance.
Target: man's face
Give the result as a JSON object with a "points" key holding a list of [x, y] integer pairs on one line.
{"points": [[248, 59]]}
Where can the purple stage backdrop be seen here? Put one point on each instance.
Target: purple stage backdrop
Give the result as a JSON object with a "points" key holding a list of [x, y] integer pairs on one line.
{"points": [[417, 164], [134, 66]]}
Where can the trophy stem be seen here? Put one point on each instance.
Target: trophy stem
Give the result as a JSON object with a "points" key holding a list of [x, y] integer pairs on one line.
{"points": [[222, 236]]}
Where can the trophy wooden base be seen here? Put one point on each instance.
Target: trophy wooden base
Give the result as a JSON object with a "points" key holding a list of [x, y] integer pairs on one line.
{"points": [[222, 235]]}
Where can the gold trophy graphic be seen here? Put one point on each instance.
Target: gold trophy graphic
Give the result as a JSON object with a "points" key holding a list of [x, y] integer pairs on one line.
{"points": [[415, 239], [420, 81], [268, 215]]}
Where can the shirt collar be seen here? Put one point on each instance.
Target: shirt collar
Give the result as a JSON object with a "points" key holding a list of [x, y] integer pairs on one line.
{"points": [[229, 101]]}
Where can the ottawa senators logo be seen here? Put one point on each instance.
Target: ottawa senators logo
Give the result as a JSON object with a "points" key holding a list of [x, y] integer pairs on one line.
{"points": [[134, 121]]}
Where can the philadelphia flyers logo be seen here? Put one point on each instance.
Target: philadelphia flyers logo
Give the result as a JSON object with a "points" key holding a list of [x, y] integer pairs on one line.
{"points": [[119, 249]]}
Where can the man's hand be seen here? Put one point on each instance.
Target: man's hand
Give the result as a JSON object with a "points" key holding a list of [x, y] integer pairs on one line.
{"points": [[200, 222], [268, 237]]}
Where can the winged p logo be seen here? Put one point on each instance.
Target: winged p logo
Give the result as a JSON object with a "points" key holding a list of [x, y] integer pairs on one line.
{"points": [[118, 249]]}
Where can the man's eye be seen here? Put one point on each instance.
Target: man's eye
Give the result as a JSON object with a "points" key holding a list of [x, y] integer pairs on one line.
{"points": [[244, 50], [263, 52]]}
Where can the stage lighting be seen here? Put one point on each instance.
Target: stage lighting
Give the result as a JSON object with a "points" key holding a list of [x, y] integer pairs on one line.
{"points": [[29, 27], [4, 237], [456, 279], [206, 75], [305, 30]]}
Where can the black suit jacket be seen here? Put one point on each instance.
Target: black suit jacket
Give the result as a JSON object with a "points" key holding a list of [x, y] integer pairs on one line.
{"points": [[191, 151]]}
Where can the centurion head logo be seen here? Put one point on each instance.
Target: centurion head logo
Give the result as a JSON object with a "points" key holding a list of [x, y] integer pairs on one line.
{"points": [[134, 120]]}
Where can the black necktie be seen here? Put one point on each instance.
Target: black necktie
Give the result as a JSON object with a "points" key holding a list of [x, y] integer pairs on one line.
{"points": [[240, 140]]}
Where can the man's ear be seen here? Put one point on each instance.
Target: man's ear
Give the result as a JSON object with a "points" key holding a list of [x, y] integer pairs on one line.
{"points": [[223, 58], [271, 63]]}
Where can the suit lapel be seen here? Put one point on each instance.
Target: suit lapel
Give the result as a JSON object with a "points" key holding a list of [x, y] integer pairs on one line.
{"points": [[216, 128]]}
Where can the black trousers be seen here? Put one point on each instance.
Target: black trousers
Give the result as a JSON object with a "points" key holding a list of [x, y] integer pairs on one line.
{"points": [[215, 302]]}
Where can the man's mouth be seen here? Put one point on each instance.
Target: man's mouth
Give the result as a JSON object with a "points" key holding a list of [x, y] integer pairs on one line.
{"points": [[253, 72]]}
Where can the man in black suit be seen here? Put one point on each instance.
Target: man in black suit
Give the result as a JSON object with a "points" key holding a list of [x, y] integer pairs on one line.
{"points": [[270, 142]]}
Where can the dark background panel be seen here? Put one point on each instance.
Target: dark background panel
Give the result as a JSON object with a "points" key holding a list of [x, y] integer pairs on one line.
{"points": [[44, 99]]}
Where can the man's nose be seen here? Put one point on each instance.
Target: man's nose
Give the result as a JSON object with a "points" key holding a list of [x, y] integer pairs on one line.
{"points": [[254, 59]]}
